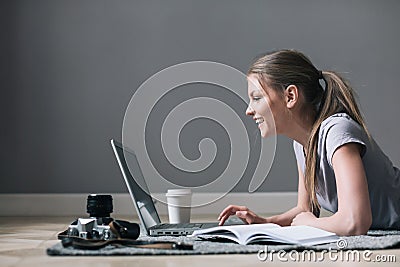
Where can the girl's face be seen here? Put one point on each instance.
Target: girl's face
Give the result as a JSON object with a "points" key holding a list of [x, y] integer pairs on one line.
{"points": [[266, 107]]}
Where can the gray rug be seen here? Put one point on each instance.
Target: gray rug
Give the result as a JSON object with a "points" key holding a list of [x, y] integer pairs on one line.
{"points": [[373, 241]]}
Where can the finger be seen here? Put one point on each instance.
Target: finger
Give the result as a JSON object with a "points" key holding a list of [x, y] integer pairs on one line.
{"points": [[223, 219], [244, 216], [228, 209], [231, 209], [223, 214]]}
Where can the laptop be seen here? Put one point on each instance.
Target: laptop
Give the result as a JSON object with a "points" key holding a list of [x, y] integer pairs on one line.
{"points": [[143, 202]]}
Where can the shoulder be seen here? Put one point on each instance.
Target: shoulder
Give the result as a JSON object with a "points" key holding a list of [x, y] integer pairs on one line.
{"points": [[338, 130], [341, 124], [341, 121]]}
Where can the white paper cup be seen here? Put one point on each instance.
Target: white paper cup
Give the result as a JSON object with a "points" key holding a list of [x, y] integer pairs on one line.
{"points": [[179, 201]]}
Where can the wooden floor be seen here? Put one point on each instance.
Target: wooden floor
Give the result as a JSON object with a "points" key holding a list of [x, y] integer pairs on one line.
{"points": [[23, 242]]}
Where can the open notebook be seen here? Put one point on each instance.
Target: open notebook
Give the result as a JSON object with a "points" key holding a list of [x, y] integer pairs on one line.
{"points": [[269, 232]]}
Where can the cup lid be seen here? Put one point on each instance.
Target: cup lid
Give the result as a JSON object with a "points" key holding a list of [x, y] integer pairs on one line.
{"points": [[173, 192]]}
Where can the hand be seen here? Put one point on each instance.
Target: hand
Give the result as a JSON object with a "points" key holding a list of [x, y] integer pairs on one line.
{"points": [[304, 218], [246, 215]]}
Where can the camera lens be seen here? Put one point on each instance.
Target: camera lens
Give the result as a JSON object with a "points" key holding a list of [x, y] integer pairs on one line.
{"points": [[99, 205]]}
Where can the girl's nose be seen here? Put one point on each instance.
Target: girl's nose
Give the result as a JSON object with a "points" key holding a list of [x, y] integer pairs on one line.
{"points": [[249, 111]]}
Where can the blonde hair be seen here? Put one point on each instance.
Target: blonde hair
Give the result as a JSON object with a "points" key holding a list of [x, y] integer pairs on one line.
{"points": [[282, 68]]}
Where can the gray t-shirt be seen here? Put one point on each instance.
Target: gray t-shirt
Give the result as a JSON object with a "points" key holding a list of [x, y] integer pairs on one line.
{"points": [[383, 178]]}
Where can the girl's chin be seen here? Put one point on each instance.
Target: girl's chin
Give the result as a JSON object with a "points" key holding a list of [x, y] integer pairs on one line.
{"points": [[265, 133]]}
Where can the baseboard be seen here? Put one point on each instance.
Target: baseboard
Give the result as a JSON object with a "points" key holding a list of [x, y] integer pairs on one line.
{"points": [[75, 204]]}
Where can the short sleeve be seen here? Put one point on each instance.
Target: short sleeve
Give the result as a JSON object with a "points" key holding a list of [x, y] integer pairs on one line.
{"points": [[343, 132]]}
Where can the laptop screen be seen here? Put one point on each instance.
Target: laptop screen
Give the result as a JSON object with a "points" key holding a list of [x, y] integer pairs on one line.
{"points": [[142, 200]]}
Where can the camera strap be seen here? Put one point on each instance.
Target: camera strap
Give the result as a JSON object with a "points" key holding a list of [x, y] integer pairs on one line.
{"points": [[89, 244]]}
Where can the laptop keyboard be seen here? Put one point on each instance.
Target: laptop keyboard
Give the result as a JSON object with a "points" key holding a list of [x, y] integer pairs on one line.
{"points": [[178, 225]]}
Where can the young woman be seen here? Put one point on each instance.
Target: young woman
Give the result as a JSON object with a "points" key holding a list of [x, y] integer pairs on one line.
{"points": [[341, 168]]}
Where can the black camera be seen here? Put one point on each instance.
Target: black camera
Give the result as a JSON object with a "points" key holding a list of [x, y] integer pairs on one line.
{"points": [[100, 226]]}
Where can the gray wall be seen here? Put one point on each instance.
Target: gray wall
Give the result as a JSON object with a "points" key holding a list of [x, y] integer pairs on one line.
{"points": [[69, 69]]}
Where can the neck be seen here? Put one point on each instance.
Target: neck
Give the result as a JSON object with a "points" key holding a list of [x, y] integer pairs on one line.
{"points": [[300, 126]]}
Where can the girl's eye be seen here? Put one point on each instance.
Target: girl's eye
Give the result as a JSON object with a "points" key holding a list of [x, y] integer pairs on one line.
{"points": [[256, 98]]}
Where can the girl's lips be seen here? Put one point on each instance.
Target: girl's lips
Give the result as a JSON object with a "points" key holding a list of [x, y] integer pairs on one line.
{"points": [[259, 121]]}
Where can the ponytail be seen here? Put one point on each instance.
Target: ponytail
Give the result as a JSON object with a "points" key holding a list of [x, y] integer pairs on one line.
{"points": [[338, 97]]}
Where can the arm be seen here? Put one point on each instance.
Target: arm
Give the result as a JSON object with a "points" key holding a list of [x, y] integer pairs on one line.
{"points": [[354, 211], [283, 219], [286, 218]]}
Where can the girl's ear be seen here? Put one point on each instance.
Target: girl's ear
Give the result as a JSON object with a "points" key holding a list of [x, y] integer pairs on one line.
{"points": [[291, 96]]}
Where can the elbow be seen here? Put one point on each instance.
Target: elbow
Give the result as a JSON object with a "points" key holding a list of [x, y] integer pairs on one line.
{"points": [[357, 229], [359, 226]]}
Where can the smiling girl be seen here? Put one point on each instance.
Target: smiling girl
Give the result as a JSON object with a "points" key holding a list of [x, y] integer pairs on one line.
{"points": [[341, 168]]}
